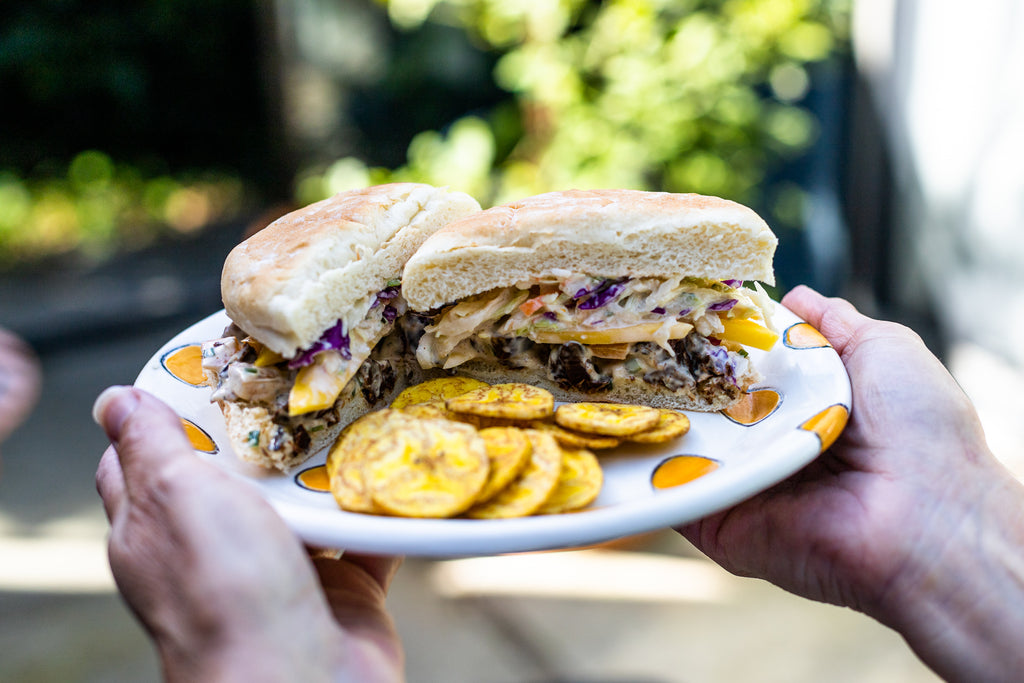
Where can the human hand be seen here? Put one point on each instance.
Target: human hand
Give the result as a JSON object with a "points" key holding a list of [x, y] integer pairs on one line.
{"points": [[889, 521], [221, 584], [19, 382]]}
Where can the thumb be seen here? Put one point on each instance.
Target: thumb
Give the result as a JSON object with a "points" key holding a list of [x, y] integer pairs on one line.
{"points": [[837, 319], [144, 431], [110, 483]]}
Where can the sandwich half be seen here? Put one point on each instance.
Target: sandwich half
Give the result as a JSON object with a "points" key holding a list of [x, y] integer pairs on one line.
{"points": [[617, 295], [314, 298]]}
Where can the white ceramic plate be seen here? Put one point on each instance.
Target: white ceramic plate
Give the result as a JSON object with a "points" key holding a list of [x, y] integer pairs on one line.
{"points": [[800, 407]]}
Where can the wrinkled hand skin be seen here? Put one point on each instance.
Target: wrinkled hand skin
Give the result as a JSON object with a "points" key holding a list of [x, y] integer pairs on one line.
{"points": [[223, 587], [908, 517], [20, 379]]}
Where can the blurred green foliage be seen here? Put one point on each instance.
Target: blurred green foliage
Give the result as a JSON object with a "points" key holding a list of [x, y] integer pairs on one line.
{"points": [[172, 84], [680, 95], [704, 96], [96, 206], [165, 88]]}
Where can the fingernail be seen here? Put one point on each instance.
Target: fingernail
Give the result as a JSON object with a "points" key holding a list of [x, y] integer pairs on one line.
{"points": [[112, 408]]}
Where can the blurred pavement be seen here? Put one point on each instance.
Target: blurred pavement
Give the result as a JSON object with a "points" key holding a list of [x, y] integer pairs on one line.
{"points": [[521, 618]]}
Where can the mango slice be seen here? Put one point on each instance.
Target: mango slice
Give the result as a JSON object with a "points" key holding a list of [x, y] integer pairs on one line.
{"points": [[748, 333]]}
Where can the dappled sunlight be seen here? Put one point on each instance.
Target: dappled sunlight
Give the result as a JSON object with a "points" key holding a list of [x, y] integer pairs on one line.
{"points": [[67, 555], [586, 575]]}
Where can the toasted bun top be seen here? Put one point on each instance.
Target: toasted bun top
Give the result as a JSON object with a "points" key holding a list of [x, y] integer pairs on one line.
{"points": [[607, 233], [297, 277]]}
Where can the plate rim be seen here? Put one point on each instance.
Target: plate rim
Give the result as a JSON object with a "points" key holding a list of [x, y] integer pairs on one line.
{"points": [[667, 508]]}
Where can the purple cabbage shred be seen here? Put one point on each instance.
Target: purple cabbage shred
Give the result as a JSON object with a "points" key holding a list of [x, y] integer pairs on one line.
{"points": [[603, 295], [333, 339], [385, 295], [721, 362], [722, 305]]}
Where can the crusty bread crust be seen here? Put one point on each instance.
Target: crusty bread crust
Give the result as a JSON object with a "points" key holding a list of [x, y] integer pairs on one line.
{"points": [[284, 291], [241, 419], [609, 233]]}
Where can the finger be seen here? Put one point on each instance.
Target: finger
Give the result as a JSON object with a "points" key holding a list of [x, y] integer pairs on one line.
{"points": [[316, 553], [381, 569], [112, 408], [20, 380], [144, 431], [850, 332], [110, 483], [837, 319], [334, 567], [355, 587]]}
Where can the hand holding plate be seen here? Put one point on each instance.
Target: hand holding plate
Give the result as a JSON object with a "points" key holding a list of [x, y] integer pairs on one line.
{"points": [[219, 581]]}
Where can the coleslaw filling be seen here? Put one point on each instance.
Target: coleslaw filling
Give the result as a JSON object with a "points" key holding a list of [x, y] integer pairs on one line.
{"points": [[608, 310], [618, 329], [241, 370]]}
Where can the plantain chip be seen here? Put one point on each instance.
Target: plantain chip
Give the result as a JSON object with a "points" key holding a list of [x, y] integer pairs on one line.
{"points": [[531, 489], [348, 486], [508, 450], [436, 410], [429, 411], [508, 401], [481, 422], [569, 438], [578, 484], [436, 390], [458, 446], [346, 458], [671, 425], [609, 419], [427, 468]]}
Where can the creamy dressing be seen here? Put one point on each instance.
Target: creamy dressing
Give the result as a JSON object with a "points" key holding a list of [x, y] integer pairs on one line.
{"points": [[593, 311], [593, 334], [234, 367]]}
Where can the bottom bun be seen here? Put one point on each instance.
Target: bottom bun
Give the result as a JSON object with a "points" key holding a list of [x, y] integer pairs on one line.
{"points": [[631, 391], [257, 437], [244, 419]]}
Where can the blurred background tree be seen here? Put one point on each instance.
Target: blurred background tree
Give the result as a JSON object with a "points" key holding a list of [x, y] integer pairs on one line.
{"points": [[124, 121], [680, 95], [125, 125], [742, 99]]}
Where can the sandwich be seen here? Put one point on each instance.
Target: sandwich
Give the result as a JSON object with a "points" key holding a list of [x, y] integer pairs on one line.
{"points": [[314, 298], [615, 295]]}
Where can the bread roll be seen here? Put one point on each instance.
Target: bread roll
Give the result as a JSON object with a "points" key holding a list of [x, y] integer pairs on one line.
{"points": [[302, 273], [610, 233]]}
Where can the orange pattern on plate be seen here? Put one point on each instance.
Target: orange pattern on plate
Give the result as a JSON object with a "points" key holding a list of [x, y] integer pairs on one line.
{"points": [[754, 406], [186, 363], [314, 479], [681, 469], [828, 424], [804, 336], [199, 439]]}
